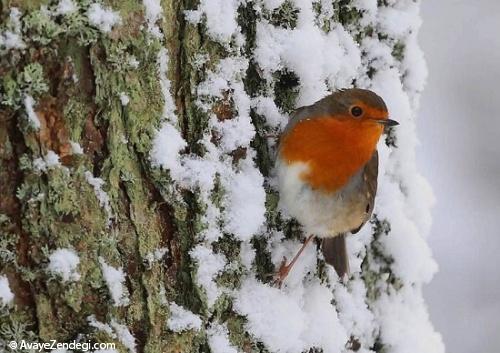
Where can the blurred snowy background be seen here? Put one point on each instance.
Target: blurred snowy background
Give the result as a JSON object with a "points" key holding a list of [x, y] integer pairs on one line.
{"points": [[459, 130]]}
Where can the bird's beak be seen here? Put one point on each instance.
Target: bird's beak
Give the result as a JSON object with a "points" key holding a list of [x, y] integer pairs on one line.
{"points": [[387, 122]]}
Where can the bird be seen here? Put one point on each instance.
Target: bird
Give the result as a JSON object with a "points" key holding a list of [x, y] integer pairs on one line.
{"points": [[327, 169]]}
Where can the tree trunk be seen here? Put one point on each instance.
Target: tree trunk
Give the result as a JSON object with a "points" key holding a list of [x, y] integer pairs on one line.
{"points": [[137, 198]]}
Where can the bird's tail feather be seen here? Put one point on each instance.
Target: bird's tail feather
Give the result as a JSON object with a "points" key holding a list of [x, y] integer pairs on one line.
{"points": [[335, 253]]}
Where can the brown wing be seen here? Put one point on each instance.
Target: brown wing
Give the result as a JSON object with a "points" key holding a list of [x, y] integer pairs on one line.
{"points": [[370, 175]]}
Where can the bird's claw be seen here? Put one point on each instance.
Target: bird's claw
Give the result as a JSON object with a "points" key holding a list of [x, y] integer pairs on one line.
{"points": [[280, 276]]}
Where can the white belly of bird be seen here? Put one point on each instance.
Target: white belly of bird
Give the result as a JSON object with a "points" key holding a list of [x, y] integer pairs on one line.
{"points": [[322, 214]]}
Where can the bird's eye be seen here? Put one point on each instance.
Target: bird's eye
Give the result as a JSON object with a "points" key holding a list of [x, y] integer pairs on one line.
{"points": [[356, 111]]}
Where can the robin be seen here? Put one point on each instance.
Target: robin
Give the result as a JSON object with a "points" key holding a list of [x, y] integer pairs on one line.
{"points": [[327, 167]]}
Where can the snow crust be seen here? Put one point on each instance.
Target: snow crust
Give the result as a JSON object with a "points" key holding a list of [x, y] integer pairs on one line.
{"points": [[114, 330], [153, 14], [182, 319], [65, 7], [115, 280], [28, 106], [103, 18], [209, 265], [64, 263], [124, 99], [307, 313], [11, 38], [49, 161], [218, 339], [101, 195], [76, 148], [6, 295]]}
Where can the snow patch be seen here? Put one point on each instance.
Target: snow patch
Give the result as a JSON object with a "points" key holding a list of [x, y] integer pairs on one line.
{"points": [[76, 148], [220, 18], [114, 330], [218, 339], [115, 280], [32, 116], [167, 145], [209, 265], [124, 99], [182, 319], [64, 263], [153, 13], [49, 161], [12, 38], [292, 321], [6, 295], [65, 7], [103, 18], [101, 195], [245, 203], [124, 336]]}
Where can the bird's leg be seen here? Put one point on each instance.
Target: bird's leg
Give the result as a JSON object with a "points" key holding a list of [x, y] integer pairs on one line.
{"points": [[285, 269]]}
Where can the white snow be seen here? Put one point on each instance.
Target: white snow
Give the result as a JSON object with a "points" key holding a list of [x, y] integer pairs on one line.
{"points": [[247, 254], [32, 116], [266, 107], [167, 145], [209, 265], [12, 38], [155, 255], [65, 7], [6, 295], [220, 18], [93, 322], [405, 321], [124, 335], [52, 159], [115, 280], [168, 101], [152, 15], [76, 148], [103, 18], [101, 195], [292, 320], [115, 330], [245, 203], [64, 262], [182, 319], [334, 63], [218, 339], [124, 99], [49, 161]]}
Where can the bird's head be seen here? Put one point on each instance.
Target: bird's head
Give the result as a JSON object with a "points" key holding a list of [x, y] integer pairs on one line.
{"points": [[357, 105]]}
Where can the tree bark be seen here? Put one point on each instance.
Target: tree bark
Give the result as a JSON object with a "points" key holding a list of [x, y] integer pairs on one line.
{"points": [[113, 205]]}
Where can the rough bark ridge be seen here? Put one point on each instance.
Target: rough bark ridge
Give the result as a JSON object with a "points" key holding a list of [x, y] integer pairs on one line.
{"points": [[84, 101]]}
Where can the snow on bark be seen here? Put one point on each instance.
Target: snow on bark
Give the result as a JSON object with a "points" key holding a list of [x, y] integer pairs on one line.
{"points": [[229, 75], [6, 295], [115, 280], [64, 263], [103, 18], [182, 319]]}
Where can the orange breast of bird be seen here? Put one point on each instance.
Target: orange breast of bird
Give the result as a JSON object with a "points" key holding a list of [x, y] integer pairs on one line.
{"points": [[333, 149]]}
